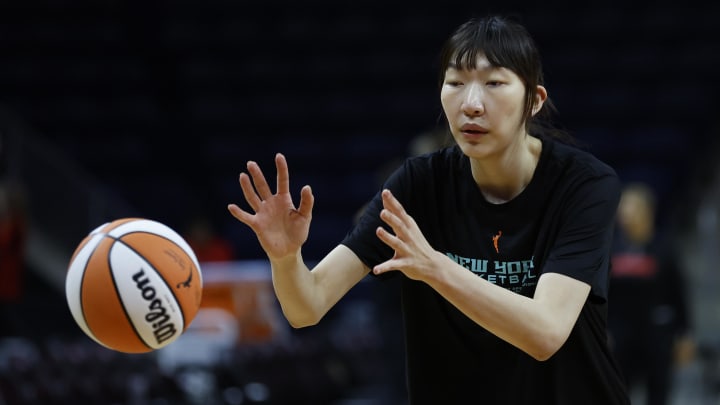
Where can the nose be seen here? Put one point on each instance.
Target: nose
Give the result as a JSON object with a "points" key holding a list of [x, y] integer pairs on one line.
{"points": [[472, 104]]}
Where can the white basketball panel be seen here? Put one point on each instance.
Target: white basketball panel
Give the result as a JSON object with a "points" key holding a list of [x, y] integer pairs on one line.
{"points": [[150, 304]]}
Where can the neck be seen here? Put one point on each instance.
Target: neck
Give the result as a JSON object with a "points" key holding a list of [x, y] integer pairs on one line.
{"points": [[504, 177]]}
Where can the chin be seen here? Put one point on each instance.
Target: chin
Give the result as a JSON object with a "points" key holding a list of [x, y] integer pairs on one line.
{"points": [[475, 150]]}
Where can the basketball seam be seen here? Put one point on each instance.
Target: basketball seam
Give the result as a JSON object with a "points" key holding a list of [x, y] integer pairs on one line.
{"points": [[82, 282], [117, 290], [169, 287]]}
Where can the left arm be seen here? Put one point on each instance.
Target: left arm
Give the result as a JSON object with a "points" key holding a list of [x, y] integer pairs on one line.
{"points": [[539, 326]]}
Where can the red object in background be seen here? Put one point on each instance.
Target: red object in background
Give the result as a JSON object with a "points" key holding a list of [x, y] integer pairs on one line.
{"points": [[215, 249], [206, 243], [639, 265], [13, 233]]}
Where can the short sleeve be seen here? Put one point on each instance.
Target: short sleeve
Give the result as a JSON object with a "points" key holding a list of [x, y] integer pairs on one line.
{"points": [[362, 239], [582, 247]]}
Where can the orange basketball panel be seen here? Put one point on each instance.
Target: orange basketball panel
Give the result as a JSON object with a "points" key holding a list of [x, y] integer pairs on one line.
{"points": [[104, 313]]}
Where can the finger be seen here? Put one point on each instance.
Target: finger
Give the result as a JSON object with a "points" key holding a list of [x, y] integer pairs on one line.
{"points": [[391, 219], [390, 265], [383, 268], [283, 175], [241, 215], [258, 178], [389, 239], [404, 222], [307, 200], [391, 203], [249, 192]]}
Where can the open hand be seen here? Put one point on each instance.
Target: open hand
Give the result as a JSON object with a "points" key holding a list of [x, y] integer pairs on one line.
{"points": [[280, 227], [413, 254]]}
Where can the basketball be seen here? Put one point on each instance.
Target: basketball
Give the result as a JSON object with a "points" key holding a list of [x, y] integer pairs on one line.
{"points": [[133, 285]]}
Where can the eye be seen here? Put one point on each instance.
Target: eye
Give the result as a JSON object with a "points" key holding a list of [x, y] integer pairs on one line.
{"points": [[494, 83], [452, 78]]}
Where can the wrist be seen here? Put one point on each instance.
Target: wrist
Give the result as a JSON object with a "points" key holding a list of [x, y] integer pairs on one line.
{"points": [[441, 265], [288, 261]]}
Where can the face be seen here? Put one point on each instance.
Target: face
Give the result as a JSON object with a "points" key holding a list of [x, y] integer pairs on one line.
{"points": [[484, 107]]}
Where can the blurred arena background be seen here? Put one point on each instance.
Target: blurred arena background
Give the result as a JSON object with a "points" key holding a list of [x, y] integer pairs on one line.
{"points": [[116, 108]]}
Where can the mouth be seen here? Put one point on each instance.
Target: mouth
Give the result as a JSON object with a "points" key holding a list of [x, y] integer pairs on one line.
{"points": [[473, 130]]}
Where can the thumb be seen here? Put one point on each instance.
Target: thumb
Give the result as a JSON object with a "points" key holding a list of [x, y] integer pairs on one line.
{"points": [[307, 201]]}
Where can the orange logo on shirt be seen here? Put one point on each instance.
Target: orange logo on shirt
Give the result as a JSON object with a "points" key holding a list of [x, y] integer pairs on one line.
{"points": [[496, 239]]}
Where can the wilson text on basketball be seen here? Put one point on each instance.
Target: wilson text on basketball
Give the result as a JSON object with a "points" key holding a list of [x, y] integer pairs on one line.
{"points": [[157, 314]]}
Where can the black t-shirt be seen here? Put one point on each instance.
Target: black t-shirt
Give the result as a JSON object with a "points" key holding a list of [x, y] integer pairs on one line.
{"points": [[562, 222]]}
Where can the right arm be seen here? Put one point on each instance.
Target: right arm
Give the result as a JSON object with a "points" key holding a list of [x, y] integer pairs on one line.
{"points": [[305, 296]]}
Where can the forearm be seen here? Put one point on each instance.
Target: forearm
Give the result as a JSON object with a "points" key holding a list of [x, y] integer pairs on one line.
{"points": [[306, 296], [537, 325], [295, 289]]}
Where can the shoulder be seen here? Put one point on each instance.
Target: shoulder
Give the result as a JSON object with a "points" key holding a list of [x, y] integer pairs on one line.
{"points": [[449, 156], [439, 163], [575, 160], [444, 172], [573, 173], [578, 170]]}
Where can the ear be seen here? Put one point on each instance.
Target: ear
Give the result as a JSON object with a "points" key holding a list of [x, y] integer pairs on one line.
{"points": [[540, 96]]}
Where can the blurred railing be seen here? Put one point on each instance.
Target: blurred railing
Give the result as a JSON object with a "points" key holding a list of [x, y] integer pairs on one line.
{"points": [[63, 203], [698, 219]]}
